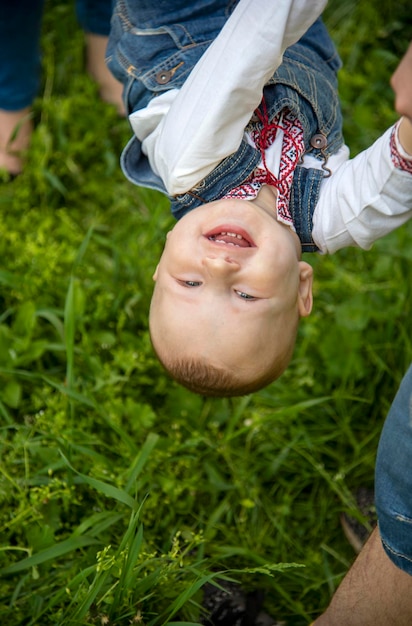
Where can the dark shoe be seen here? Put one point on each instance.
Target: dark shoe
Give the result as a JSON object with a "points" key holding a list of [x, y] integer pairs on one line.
{"points": [[231, 606]]}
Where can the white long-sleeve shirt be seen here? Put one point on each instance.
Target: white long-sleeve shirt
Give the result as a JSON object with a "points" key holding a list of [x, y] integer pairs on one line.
{"points": [[365, 198], [185, 133]]}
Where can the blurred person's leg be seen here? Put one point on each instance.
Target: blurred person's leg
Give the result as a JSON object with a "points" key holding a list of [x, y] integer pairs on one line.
{"points": [[94, 17], [20, 26], [20, 68], [377, 591]]}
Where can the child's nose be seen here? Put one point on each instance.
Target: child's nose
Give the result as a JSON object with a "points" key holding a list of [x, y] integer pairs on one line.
{"points": [[220, 265]]}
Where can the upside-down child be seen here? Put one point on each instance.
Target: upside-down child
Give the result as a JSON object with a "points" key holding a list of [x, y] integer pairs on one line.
{"points": [[236, 118]]}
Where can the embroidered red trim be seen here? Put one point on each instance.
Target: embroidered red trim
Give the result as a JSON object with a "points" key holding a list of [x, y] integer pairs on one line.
{"points": [[292, 149], [264, 138], [397, 159]]}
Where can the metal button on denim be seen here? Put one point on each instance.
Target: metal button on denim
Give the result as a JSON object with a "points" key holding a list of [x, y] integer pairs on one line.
{"points": [[319, 141], [163, 77]]}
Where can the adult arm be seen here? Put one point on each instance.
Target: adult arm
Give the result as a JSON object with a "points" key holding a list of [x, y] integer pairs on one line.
{"points": [[207, 117], [402, 85]]}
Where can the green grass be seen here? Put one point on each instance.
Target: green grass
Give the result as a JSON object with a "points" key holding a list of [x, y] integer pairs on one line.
{"points": [[122, 494]]}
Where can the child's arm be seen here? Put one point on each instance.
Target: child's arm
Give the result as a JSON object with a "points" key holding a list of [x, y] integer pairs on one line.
{"points": [[206, 120], [371, 195]]}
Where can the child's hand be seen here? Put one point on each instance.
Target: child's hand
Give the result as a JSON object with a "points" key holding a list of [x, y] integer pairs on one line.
{"points": [[401, 82]]}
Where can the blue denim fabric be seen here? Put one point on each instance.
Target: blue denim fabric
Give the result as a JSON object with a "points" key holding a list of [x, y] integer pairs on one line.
{"points": [[393, 478], [153, 48], [94, 15], [20, 57], [20, 26]]}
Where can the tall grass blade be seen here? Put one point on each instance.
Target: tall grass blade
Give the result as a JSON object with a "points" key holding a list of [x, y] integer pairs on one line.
{"points": [[69, 330], [54, 552], [141, 460], [107, 490]]}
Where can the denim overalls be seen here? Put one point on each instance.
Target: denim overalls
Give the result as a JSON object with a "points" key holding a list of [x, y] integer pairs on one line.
{"points": [[153, 46]]}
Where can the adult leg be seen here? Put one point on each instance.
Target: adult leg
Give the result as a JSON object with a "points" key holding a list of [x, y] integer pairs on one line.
{"points": [[20, 26], [377, 591], [94, 17]]}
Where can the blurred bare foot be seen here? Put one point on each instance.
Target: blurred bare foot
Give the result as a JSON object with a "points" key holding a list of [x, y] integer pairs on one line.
{"points": [[16, 128], [110, 88]]}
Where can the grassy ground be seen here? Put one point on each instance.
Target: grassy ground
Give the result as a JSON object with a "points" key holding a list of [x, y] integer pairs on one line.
{"points": [[122, 494]]}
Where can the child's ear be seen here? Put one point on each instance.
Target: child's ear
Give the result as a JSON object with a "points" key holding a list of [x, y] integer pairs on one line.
{"points": [[155, 273], [305, 298]]}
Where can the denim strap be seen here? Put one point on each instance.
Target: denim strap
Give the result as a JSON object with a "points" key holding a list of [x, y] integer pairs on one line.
{"points": [[303, 199]]}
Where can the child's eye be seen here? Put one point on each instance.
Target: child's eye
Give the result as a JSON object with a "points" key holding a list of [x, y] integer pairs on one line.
{"points": [[192, 283], [244, 296]]}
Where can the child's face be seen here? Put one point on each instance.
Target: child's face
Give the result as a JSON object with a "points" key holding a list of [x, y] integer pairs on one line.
{"points": [[229, 287]]}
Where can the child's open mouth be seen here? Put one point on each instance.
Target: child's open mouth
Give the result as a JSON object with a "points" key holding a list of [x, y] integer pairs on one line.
{"points": [[231, 236]]}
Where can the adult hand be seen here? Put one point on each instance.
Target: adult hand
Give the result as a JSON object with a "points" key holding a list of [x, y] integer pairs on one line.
{"points": [[401, 82]]}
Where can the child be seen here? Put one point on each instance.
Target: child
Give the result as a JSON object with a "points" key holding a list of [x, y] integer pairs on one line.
{"points": [[230, 286]]}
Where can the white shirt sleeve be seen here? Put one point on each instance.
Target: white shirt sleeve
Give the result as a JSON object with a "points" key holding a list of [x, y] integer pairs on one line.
{"points": [[365, 198], [186, 133]]}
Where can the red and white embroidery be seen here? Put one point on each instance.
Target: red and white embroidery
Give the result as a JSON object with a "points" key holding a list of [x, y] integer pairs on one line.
{"points": [[292, 149], [397, 159]]}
